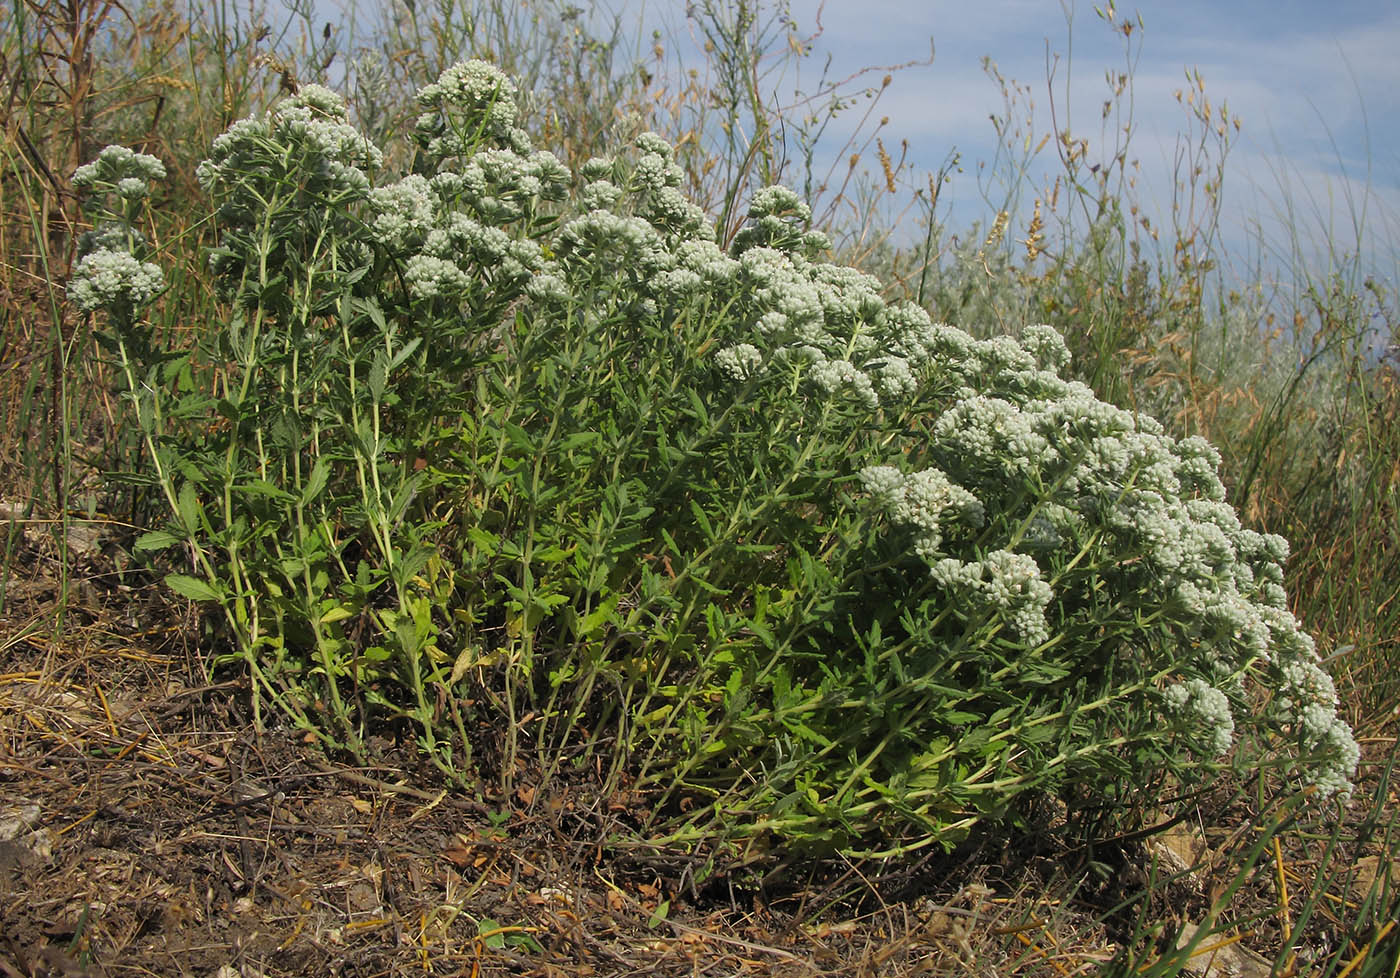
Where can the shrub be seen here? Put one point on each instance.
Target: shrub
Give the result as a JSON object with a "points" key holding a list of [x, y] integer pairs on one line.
{"points": [[524, 457]]}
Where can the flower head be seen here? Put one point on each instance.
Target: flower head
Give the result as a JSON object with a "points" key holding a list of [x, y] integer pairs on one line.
{"points": [[116, 164], [113, 280]]}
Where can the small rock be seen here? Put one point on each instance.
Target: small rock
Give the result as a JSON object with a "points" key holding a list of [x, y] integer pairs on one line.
{"points": [[1368, 870], [17, 816], [84, 539], [1215, 959]]}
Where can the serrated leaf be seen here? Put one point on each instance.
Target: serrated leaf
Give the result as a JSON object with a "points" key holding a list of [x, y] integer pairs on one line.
{"points": [[370, 308], [191, 587], [413, 560], [403, 496], [379, 375], [483, 539], [405, 353], [702, 521], [355, 274], [598, 617], [188, 506], [261, 487], [320, 474], [520, 438]]}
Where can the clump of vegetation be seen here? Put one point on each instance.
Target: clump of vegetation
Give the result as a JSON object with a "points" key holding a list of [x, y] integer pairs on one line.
{"points": [[591, 492], [496, 444]]}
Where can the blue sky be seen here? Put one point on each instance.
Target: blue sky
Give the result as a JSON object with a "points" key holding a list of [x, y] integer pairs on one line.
{"points": [[1315, 86]]}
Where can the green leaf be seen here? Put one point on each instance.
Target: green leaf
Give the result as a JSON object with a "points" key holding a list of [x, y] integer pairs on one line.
{"points": [[403, 496], [354, 275], [133, 478], [598, 617], [188, 504], [412, 561], [405, 353], [703, 521], [520, 439], [407, 634], [379, 375], [338, 613], [658, 916], [483, 539], [698, 406], [261, 487], [370, 308], [191, 587], [524, 941], [490, 933], [155, 540], [320, 473], [577, 440]]}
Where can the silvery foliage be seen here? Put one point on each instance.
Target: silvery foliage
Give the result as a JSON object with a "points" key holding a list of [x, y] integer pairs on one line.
{"points": [[291, 181], [1031, 469], [107, 274], [1035, 465], [1048, 469]]}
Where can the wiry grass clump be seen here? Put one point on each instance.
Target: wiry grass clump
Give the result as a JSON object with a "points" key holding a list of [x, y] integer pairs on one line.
{"points": [[573, 476]]}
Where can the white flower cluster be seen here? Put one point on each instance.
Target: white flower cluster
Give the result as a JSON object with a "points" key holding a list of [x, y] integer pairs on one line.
{"points": [[502, 186], [655, 182], [992, 430], [1307, 700], [268, 175], [1057, 469], [121, 169], [923, 501], [110, 236], [429, 277], [741, 361], [828, 321], [1207, 707], [631, 243], [1008, 582], [1047, 346], [404, 212], [456, 232], [650, 185], [132, 188], [778, 219], [106, 279], [472, 106], [634, 226], [107, 274], [310, 133]]}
